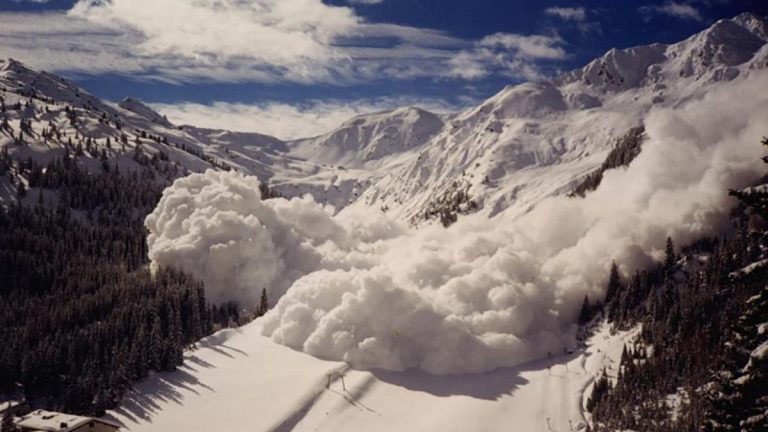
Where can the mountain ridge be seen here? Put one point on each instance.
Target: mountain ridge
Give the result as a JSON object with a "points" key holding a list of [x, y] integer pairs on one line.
{"points": [[526, 142]]}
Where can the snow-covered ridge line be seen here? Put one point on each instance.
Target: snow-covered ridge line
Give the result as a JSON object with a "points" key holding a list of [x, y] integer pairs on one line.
{"points": [[524, 144]]}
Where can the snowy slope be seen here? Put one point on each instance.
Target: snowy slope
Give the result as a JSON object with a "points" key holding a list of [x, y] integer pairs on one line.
{"points": [[371, 137], [47, 99], [137, 107], [49, 102], [238, 379], [526, 143], [535, 140]]}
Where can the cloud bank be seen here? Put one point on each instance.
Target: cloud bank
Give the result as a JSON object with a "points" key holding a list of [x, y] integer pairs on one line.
{"points": [[294, 41], [293, 35], [482, 294], [508, 55], [288, 121]]}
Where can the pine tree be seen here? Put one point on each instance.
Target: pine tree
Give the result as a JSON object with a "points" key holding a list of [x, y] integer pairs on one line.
{"points": [[8, 424], [670, 258], [586, 311], [175, 338], [614, 282], [264, 304], [157, 347], [740, 403]]}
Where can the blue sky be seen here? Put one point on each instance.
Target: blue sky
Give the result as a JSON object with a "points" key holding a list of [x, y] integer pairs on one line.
{"points": [[252, 64]]}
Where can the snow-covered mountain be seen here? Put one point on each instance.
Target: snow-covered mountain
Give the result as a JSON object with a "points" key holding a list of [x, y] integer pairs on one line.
{"points": [[137, 107], [527, 142], [371, 137], [485, 296], [536, 139]]}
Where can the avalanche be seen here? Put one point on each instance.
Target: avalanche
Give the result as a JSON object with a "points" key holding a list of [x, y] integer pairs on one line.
{"points": [[351, 281], [481, 294]]}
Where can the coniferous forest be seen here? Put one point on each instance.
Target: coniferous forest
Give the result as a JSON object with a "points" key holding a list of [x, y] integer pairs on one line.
{"points": [[696, 365], [81, 316]]}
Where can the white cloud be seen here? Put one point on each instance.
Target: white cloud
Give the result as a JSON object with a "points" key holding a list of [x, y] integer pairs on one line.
{"points": [[482, 294], [58, 42], [286, 121], [508, 54], [674, 9], [281, 32], [567, 13], [293, 37], [301, 41]]}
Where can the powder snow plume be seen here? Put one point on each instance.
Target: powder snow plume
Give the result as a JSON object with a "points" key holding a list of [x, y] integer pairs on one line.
{"points": [[482, 294]]}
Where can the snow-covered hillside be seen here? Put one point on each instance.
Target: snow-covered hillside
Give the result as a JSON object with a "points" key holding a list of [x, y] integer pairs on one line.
{"points": [[371, 138], [239, 379], [526, 143], [60, 115], [478, 302], [535, 140]]}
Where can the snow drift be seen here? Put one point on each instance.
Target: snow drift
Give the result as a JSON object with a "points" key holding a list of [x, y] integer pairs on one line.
{"points": [[482, 294]]}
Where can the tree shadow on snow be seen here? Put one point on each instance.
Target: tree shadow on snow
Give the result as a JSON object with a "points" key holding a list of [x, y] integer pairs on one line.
{"points": [[143, 401]]}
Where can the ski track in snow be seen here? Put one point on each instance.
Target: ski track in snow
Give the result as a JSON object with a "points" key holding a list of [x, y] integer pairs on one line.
{"points": [[238, 379]]}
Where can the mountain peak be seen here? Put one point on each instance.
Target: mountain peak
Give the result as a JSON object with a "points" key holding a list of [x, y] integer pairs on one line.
{"points": [[12, 66], [714, 52], [617, 69], [403, 113], [141, 109], [756, 24], [371, 137]]}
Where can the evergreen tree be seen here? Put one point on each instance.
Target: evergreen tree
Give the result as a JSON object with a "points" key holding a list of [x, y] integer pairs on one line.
{"points": [[670, 259], [263, 304], [721, 366], [7, 423], [614, 282], [586, 311], [157, 346]]}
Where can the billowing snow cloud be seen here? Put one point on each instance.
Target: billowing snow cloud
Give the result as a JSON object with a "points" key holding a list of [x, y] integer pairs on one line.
{"points": [[482, 294], [216, 227]]}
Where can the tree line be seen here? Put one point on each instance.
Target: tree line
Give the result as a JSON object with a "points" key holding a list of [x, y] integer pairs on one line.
{"points": [[81, 316], [702, 313]]}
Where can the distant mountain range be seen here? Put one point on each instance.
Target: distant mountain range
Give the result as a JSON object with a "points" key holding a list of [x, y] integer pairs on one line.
{"points": [[527, 142]]}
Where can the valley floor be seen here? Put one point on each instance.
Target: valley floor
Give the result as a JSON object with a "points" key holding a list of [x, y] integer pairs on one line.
{"points": [[240, 380]]}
